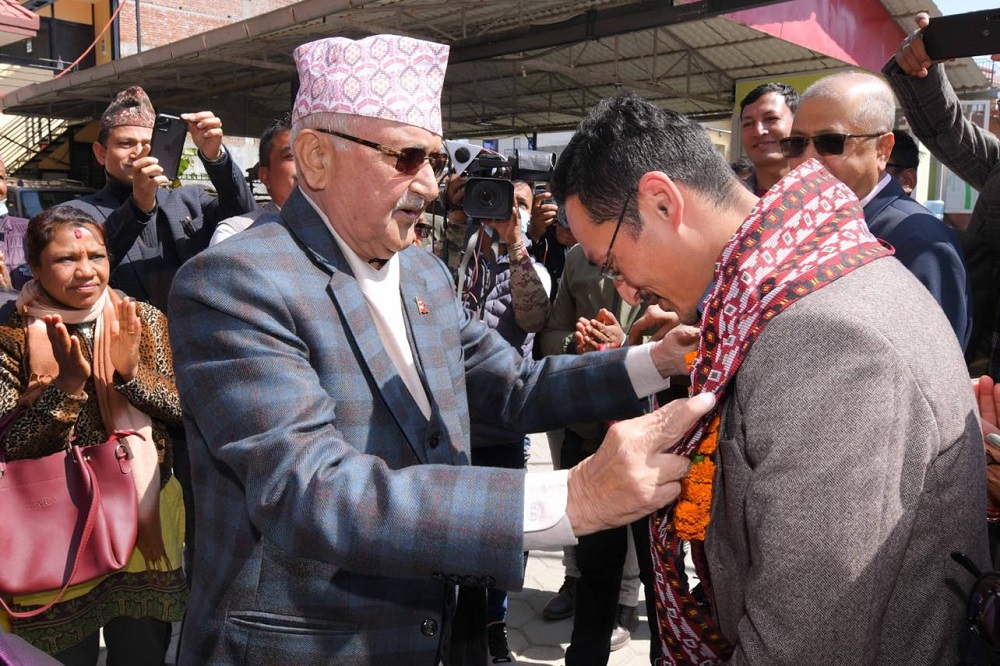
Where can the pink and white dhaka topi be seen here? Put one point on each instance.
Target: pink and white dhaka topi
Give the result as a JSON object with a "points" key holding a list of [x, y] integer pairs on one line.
{"points": [[383, 76]]}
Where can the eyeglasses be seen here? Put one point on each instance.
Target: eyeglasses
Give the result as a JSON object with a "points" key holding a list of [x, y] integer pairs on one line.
{"points": [[983, 609], [828, 143], [606, 270], [408, 160]]}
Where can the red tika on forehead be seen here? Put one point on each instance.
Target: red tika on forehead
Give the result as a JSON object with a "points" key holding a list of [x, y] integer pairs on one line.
{"points": [[78, 233]]}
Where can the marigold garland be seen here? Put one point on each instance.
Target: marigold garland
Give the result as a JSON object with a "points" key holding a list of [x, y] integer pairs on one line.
{"points": [[691, 513]]}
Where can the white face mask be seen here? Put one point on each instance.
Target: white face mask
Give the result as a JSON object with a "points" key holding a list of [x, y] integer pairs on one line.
{"points": [[525, 219], [3, 208]]}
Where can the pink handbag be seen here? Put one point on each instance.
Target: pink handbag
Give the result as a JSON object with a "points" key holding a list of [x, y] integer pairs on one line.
{"points": [[68, 517]]}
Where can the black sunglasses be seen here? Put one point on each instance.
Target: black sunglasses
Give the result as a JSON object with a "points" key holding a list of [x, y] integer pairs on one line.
{"points": [[408, 160], [828, 143], [983, 608]]}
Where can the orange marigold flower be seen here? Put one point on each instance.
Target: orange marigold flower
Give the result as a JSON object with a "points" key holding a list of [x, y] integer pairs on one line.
{"points": [[693, 508]]}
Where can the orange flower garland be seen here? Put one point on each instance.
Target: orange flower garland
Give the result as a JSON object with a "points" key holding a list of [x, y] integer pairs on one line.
{"points": [[691, 513]]}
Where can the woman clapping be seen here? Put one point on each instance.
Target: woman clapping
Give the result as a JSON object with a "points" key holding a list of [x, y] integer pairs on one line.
{"points": [[86, 362]]}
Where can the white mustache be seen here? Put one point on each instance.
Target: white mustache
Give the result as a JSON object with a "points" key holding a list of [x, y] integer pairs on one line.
{"points": [[411, 201]]}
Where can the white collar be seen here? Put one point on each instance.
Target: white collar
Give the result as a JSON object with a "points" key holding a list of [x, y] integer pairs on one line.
{"points": [[879, 186]]}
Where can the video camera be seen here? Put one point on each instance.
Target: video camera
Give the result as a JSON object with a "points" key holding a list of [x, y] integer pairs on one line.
{"points": [[489, 192]]}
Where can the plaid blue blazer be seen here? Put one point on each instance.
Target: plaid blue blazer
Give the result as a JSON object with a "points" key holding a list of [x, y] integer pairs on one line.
{"points": [[333, 519]]}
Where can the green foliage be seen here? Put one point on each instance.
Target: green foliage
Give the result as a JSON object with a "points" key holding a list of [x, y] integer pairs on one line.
{"points": [[187, 159]]}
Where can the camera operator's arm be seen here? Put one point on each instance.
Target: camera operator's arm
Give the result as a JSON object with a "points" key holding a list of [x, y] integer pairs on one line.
{"points": [[529, 294]]}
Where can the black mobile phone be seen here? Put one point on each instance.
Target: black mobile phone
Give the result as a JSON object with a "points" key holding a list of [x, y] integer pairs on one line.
{"points": [[167, 144], [961, 35]]}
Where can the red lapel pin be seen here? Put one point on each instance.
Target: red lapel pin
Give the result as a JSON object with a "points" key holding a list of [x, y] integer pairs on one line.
{"points": [[421, 308]]}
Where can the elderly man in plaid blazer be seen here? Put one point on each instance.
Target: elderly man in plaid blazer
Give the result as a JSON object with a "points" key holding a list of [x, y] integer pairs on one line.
{"points": [[328, 376]]}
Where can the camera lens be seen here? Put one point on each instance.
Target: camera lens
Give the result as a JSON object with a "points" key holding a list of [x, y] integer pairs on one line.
{"points": [[488, 198], [487, 195]]}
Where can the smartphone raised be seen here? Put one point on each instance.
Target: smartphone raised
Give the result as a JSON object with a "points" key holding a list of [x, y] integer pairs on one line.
{"points": [[167, 144], [962, 35]]}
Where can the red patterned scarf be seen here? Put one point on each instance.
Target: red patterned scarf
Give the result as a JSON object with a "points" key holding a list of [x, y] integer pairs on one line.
{"points": [[806, 232]]}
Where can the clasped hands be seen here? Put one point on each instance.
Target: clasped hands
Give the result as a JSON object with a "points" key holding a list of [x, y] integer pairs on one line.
{"points": [[630, 476], [74, 368]]}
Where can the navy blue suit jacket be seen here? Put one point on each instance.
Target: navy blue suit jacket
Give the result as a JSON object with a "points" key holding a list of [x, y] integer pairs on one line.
{"points": [[928, 248], [333, 518]]}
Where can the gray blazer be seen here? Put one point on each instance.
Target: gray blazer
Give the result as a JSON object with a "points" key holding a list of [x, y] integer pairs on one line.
{"points": [[851, 465]]}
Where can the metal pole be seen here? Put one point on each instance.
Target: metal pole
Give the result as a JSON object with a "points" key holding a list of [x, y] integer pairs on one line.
{"points": [[138, 29], [115, 33]]}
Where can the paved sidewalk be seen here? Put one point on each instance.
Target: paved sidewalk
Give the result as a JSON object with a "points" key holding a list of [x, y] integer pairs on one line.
{"points": [[534, 640]]}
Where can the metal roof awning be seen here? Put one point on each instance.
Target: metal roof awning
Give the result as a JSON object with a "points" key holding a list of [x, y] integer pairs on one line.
{"points": [[515, 66]]}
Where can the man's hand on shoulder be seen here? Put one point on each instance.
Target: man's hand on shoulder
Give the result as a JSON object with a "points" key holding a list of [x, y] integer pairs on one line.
{"points": [[147, 176], [206, 132], [630, 476]]}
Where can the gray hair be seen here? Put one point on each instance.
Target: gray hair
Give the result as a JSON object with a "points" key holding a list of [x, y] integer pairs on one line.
{"points": [[338, 122], [874, 107]]}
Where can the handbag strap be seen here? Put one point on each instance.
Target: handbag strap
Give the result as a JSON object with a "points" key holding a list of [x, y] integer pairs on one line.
{"points": [[88, 529], [6, 424]]}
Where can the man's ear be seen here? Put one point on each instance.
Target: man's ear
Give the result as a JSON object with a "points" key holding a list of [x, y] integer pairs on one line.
{"points": [[313, 159], [883, 149], [659, 198], [908, 179], [100, 152], [264, 176]]}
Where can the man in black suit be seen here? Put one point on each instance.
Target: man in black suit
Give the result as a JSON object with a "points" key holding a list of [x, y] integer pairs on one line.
{"points": [[845, 121]]}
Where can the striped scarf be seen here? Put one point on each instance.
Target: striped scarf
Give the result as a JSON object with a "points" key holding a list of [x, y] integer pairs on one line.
{"points": [[806, 232]]}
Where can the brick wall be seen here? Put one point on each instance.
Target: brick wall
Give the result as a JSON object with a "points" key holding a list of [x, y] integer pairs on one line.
{"points": [[166, 21]]}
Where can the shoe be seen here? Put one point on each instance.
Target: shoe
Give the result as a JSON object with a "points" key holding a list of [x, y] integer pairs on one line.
{"points": [[496, 639], [626, 622], [563, 604]]}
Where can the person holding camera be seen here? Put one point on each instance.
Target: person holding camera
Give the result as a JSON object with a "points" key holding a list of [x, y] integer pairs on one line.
{"points": [[152, 230], [550, 238], [935, 116], [506, 289]]}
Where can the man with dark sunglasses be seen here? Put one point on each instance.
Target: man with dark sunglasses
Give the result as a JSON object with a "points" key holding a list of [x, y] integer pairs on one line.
{"points": [[845, 121], [329, 378]]}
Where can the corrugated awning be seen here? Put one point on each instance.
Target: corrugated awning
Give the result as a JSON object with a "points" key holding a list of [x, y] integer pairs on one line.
{"points": [[516, 66]]}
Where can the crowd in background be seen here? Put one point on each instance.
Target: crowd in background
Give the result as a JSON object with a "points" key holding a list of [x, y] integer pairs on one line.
{"points": [[85, 351]]}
